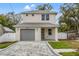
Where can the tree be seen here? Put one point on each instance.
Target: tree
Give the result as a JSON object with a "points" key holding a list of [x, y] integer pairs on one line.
{"points": [[44, 7], [6, 22], [15, 18], [70, 16], [63, 27]]}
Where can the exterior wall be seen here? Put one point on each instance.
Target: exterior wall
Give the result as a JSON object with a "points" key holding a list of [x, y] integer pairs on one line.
{"points": [[49, 36], [37, 18], [53, 36], [18, 34], [52, 18], [37, 34]]}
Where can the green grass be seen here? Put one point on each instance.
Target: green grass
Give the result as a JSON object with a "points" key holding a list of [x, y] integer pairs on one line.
{"points": [[5, 44], [70, 53], [64, 44], [60, 44]]}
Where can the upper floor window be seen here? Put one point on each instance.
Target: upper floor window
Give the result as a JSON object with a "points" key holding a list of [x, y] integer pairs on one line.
{"points": [[32, 14], [45, 16], [26, 14], [49, 31]]}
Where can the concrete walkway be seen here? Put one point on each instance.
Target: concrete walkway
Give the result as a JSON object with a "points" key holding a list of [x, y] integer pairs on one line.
{"points": [[65, 50], [25, 48], [1, 49]]}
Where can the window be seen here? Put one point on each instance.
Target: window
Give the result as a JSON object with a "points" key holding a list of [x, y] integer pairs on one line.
{"points": [[49, 31], [47, 16], [32, 14], [43, 17], [26, 14]]}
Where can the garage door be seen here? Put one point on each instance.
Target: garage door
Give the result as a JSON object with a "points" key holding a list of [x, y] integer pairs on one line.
{"points": [[27, 35]]}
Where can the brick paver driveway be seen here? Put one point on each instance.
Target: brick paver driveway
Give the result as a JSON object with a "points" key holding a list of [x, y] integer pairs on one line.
{"points": [[24, 48]]}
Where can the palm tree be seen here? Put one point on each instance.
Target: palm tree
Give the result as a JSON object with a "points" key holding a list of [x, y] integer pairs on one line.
{"points": [[44, 7], [70, 16]]}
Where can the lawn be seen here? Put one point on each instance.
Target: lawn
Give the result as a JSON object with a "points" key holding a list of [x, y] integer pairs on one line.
{"points": [[5, 44], [64, 44], [70, 53]]}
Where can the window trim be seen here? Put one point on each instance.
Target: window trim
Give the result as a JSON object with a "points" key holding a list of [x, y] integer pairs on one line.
{"points": [[45, 17]]}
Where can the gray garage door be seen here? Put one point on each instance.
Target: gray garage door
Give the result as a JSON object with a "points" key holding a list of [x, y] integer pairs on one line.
{"points": [[27, 35]]}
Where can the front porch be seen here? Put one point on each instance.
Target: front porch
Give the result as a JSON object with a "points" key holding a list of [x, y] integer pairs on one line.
{"points": [[49, 34]]}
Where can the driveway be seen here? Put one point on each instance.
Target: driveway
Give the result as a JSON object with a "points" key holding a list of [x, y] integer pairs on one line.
{"points": [[24, 48]]}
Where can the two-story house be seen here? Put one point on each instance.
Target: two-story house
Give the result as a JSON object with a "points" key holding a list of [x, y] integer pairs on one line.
{"points": [[37, 26]]}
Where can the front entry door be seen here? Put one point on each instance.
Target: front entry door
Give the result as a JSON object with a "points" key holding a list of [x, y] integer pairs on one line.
{"points": [[42, 33]]}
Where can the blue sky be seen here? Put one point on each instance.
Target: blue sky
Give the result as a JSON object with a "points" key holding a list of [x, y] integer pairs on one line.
{"points": [[20, 7]]}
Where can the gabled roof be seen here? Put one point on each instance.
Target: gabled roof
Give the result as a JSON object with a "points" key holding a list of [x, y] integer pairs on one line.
{"points": [[39, 11]]}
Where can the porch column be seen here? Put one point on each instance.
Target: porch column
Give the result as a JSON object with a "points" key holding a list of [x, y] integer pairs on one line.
{"points": [[56, 34], [37, 34], [17, 34]]}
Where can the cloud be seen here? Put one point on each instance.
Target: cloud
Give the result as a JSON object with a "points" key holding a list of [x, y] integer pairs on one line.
{"points": [[30, 7], [27, 8], [33, 5]]}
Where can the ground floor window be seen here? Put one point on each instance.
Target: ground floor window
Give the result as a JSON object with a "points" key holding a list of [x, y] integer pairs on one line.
{"points": [[49, 31]]}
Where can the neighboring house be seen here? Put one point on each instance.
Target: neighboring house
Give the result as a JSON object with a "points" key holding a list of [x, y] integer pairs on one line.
{"points": [[8, 30], [37, 25]]}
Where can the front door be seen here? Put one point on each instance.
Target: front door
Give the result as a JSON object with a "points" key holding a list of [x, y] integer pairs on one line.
{"points": [[42, 33]]}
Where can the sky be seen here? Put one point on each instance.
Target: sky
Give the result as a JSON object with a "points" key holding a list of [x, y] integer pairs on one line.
{"points": [[20, 7]]}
